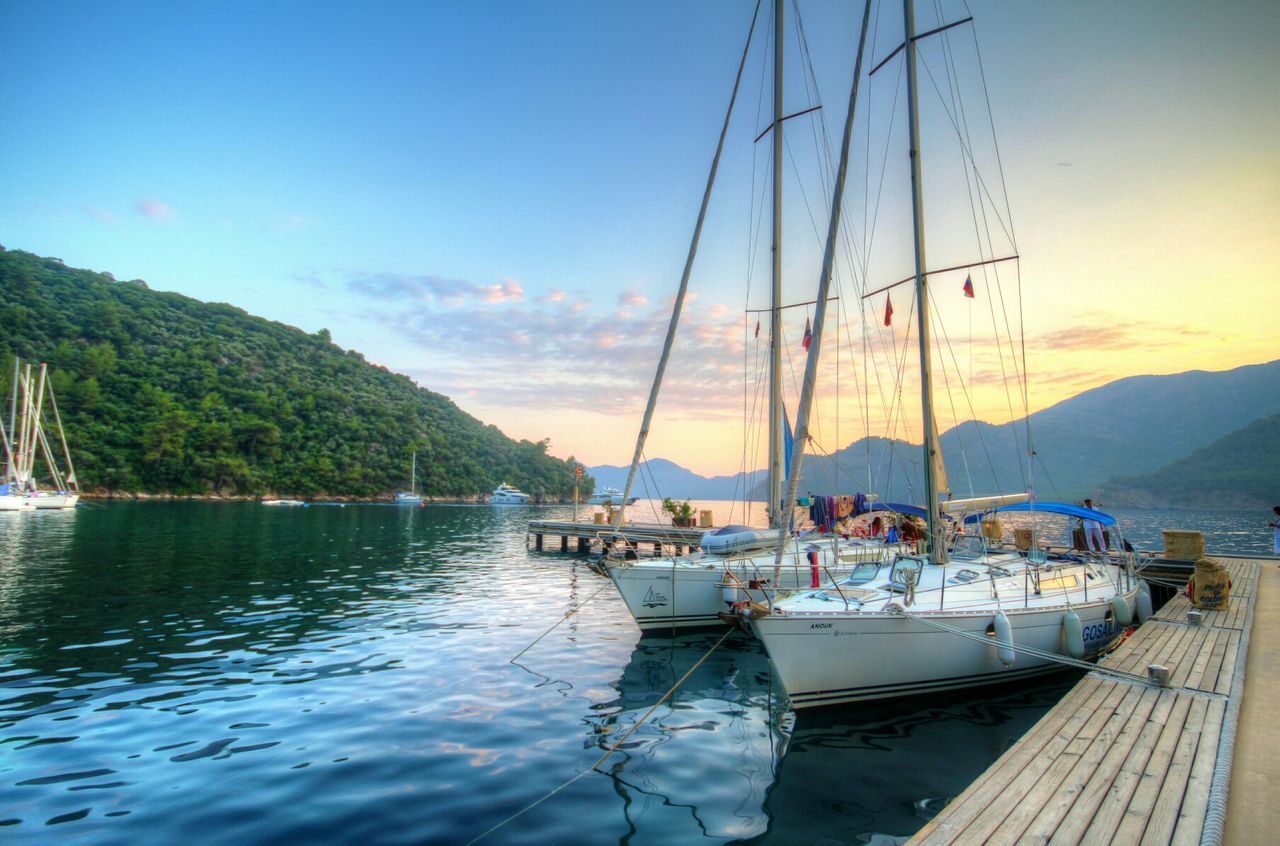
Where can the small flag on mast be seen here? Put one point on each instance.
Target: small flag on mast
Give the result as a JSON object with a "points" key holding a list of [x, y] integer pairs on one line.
{"points": [[968, 287], [757, 327], [888, 310], [808, 335]]}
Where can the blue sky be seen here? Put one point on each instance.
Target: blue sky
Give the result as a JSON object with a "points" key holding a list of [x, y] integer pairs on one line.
{"points": [[496, 197]]}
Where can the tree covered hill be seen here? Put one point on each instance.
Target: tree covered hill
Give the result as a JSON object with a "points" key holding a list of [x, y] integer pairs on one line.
{"points": [[165, 394], [1240, 470]]}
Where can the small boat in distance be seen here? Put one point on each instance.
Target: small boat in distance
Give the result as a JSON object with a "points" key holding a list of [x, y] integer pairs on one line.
{"points": [[505, 494], [290, 502], [611, 496], [411, 496]]}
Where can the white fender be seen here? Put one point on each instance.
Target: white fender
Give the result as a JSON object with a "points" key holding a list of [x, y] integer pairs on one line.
{"points": [[1144, 602], [1073, 633], [1124, 614], [1004, 639]]}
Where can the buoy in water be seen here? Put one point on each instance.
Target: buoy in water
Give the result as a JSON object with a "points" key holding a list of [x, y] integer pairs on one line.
{"points": [[1124, 614], [1144, 602], [1073, 633], [1004, 639]]}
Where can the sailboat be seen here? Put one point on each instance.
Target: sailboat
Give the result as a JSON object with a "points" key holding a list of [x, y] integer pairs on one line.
{"points": [[26, 441], [961, 611], [411, 496], [698, 589]]}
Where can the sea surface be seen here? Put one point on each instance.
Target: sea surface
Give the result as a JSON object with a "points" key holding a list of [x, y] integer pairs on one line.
{"points": [[234, 673]]}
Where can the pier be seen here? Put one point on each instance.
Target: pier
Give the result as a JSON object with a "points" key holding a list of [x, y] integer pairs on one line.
{"points": [[588, 536], [1128, 761]]}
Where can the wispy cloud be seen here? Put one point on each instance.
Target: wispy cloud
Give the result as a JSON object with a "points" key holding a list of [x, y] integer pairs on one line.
{"points": [[631, 297], [451, 293], [154, 209], [101, 215]]}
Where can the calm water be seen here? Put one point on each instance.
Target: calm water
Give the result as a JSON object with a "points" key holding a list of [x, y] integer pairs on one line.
{"points": [[245, 674]]}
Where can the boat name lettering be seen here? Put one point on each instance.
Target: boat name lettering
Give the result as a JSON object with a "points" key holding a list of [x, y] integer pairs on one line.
{"points": [[1097, 631], [820, 625]]}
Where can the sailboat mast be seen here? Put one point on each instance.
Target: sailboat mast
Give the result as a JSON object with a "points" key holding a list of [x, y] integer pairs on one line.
{"points": [[777, 449], [931, 448], [413, 473]]}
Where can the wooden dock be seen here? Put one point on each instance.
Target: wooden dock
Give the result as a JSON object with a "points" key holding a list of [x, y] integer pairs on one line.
{"points": [[1123, 761], [590, 536]]}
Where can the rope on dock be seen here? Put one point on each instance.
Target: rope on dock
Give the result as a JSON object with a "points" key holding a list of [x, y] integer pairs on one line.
{"points": [[610, 750], [569, 614], [1215, 814], [1118, 675]]}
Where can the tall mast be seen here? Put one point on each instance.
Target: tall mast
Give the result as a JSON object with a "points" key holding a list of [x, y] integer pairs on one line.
{"points": [[931, 448], [413, 473], [777, 450]]}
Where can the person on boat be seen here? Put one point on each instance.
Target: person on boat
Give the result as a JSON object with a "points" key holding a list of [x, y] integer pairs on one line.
{"points": [[877, 528], [1275, 524], [1093, 531]]}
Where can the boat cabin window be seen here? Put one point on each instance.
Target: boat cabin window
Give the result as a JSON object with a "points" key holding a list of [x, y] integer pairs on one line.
{"points": [[864, 572], [999, 571], [968, 546], [964, 576]]}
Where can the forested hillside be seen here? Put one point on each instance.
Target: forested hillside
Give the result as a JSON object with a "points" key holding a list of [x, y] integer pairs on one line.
{"points": [[165, 394], [1241, 470]]}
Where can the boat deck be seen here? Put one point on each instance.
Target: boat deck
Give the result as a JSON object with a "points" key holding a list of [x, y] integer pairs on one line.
{"points": [[1120, 761]]}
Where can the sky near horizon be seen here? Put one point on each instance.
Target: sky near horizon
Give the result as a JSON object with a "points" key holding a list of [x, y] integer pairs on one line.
{"points": [[496, 198]]}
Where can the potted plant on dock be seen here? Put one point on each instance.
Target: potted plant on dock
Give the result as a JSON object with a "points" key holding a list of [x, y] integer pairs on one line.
{"points": [[681, 512]]}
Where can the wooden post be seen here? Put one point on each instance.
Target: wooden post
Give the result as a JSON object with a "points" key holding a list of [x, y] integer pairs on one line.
{"points": [[564, 543], [537, 541], [584, 545]]}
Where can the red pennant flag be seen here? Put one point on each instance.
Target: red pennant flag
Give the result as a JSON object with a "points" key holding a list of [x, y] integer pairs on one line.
{"points": [[808, 335], [968, 287], [757, 328], [888, 311]]}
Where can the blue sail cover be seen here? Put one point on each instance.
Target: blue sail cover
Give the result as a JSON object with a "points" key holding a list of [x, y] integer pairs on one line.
{"points": [[899, 508], [788, 445], [1064, 508]]}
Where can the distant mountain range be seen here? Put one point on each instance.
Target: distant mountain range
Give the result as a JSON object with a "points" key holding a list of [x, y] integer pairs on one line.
{"points": [[1137, 431]]}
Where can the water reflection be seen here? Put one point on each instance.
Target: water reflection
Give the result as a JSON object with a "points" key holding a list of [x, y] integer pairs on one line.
{"points": [[877, 772]]}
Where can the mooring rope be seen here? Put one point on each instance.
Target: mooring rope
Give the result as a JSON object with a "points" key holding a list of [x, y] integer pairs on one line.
{"points": [[567, 615], [610, 750]]}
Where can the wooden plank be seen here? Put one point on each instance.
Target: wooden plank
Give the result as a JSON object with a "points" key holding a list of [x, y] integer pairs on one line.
{"points": [[1042, 805], [1196, 800], [1093, 782], [1164, 814], [1206, 662], [1017, 770], [1228, 672], [1145, 781]]}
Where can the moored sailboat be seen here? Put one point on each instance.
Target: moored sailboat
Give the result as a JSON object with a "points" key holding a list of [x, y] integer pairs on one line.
{"points": [[961, 611], [696, 590]]}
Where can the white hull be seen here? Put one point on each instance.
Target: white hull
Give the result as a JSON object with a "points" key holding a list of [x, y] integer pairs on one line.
{"points": [[852, 656], [693, 591], [407, 499], [44, 501], [507, 499], [285, 502], [15, 503]]}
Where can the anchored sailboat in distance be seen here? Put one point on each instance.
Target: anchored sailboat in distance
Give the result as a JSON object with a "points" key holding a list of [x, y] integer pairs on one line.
{"points": [[26, 442], [963, 610], [411, 496]]}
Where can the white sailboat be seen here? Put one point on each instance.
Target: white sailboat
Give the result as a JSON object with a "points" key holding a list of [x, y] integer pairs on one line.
{"points": [[962, 612], [26, 442], [697, 589], [411, 496]]}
